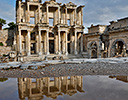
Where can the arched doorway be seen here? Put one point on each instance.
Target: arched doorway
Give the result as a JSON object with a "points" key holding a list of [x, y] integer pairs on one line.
{"points": [[93, 50], [94, 54], [118, 48]]}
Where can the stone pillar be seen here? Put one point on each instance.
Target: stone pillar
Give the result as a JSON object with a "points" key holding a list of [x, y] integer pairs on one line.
{"points": [[81, 42], [75, 17], [75, 49], [39, 14], [47, 43], [29, 44], [66, 43], [40, 45], [59, 44], [47, 14], [19, 11], [58, 15], [28, 17], [20, 42], [81, 16], [65, 15]]}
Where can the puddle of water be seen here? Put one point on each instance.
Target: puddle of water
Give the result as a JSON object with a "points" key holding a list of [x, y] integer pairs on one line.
{"points": [[65, 88]]}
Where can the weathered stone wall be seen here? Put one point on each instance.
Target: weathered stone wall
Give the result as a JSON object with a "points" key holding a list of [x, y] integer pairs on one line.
{"points": [[7, 38]]}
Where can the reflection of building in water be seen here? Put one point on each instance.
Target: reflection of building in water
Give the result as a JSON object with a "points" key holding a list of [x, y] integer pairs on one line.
{"points": [[121, 78], [49, 87]]}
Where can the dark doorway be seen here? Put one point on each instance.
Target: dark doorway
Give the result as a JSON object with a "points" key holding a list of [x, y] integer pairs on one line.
{"points": [[33, 48], [69, 51], [51, 46]]}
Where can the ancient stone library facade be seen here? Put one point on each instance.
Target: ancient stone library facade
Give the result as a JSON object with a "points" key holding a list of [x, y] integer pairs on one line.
{"points": [[49, 28]]}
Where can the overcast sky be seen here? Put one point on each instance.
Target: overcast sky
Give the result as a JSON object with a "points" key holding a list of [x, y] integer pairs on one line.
{"points": [[95, 11]]}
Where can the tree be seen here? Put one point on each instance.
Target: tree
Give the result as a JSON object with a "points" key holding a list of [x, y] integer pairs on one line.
{"points": [[2, 22], [11, 25]]}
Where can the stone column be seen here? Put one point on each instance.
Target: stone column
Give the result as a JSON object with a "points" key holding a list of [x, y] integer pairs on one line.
{"points": [[81, 16], [39, 14], [65, 15], [59, 44], [40, 45], [47, 43], [28, 17], [58, 15], [75, 17], [47, 14], [29, 44], [19, 11], [81, 42], [66, 43], [75, 49], [20, 42]]}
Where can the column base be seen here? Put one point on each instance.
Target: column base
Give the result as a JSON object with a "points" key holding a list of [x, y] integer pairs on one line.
{"points": [[28, 54], [47, 53], [59, 53], [76, 52], [66, 53], [40, 53]]}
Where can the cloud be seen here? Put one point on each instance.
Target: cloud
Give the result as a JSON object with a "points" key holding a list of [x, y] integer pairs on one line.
{"points": [[95, 11]]}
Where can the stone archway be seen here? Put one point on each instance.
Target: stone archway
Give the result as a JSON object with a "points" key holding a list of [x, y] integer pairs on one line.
{"points": [[118, 48], [92, 47], [94, 53]]}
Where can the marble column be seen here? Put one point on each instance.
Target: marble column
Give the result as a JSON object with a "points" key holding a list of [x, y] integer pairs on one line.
{"points": [[28, 17], [75, 49], [20, 42], [81, 16], [47, 9], [19, 11], [40, 45], [58, 15], [29, 44], [75, 17], [59, 44], [81, 42], [65, 15], [66, 43], [47, 43]]}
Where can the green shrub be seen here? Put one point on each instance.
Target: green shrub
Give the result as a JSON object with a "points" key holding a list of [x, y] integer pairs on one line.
{"points": [[1, 44]]}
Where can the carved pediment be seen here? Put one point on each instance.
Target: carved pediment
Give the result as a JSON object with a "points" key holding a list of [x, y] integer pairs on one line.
{"points": [[71, 4], [53, 2]]}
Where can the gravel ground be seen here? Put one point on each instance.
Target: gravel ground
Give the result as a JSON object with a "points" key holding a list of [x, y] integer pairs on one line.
{"points": [[69, 70]]}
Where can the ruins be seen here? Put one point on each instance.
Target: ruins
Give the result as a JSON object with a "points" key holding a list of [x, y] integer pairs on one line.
{"points": [[49, 28], [104, 41]]}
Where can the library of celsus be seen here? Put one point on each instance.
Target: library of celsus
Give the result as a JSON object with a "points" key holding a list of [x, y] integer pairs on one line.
{"points": [[49, 28]]}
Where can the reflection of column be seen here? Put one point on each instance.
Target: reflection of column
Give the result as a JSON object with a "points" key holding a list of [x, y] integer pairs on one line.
{"points": [[47, 42], [40, 45], [75, 43], [65, 15], [20, 42], [29, 44], [47, 15], [59, 44], [66, 43]]}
